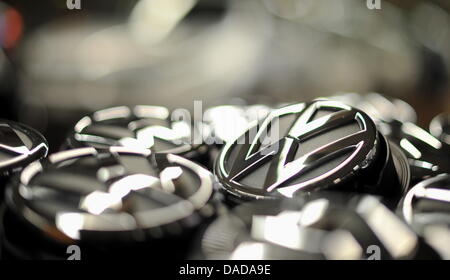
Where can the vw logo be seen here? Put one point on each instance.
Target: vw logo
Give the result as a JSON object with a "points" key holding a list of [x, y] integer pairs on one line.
{"points": [[92, 194], [138, 127], [309, 228], [19, 145], [395, 119], [11, 142], [303, 146]]}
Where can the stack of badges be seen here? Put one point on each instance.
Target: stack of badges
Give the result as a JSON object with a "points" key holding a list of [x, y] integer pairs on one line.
{"points": [[344, 177]]}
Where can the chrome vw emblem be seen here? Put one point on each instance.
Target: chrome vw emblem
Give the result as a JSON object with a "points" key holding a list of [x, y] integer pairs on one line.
{"points": [[319, 144]]}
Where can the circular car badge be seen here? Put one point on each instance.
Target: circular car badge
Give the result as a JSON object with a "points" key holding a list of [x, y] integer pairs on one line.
{"points": [[440, 127], [305, 146], [329, 226], [429, 200], [427, 155], [142, 127], [427, 208], [117, 196], [19, 146], [227, 122]]}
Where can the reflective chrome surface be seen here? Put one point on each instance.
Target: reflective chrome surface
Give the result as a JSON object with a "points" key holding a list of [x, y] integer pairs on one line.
{"points": [[91, 195], [227, 122], [427, 153], [301, 146], [440, 127], [141, 127], [329, 226], [59, 64], [19, 145], [427, 208], [379, 107]]}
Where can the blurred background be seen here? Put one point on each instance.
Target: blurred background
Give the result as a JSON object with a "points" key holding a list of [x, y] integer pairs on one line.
{"points": [[58, 64]]}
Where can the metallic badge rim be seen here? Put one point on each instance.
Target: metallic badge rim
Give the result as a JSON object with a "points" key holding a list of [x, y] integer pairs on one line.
{"points": [[299, 108]]}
